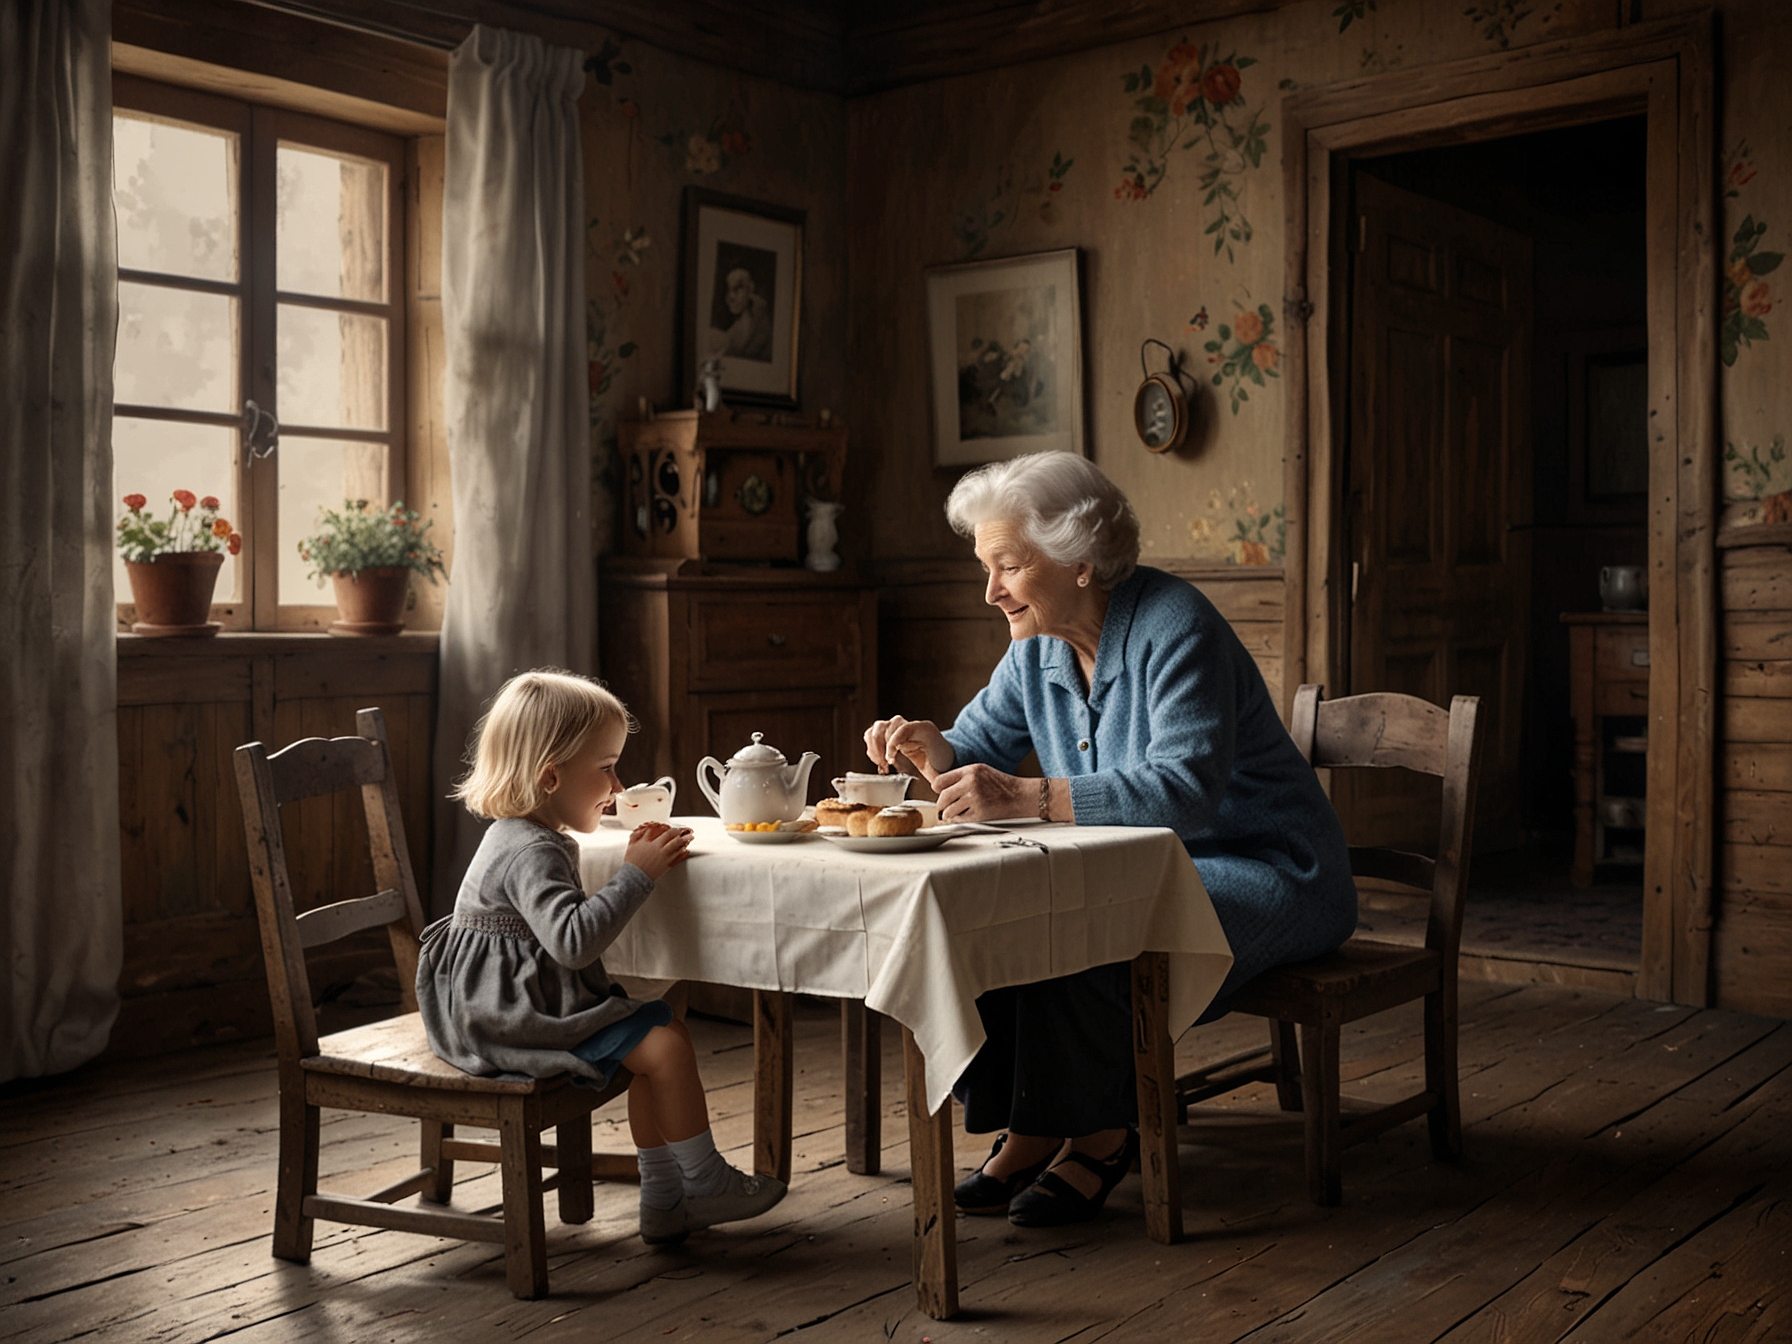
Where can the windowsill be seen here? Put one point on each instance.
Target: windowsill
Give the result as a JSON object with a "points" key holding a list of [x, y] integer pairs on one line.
{"points": [[249, 643]]}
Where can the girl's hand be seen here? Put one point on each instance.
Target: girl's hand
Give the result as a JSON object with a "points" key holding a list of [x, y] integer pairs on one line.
{"points": [[978, 793], [889, 742], [654, 847]]}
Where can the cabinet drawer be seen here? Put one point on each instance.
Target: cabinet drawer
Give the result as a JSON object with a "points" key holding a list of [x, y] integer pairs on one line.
{"points": [[742, 642], [1621, 697], [1621, 655]]}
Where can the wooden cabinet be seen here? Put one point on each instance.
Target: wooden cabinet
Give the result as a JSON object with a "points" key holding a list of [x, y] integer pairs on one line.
{"points": [[707, 655], [1608, 658]]}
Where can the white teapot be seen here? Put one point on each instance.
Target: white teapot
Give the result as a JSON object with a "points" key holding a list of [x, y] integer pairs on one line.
{"points": [[757, 784]]}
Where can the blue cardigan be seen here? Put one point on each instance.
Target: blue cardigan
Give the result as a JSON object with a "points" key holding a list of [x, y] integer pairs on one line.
{"points": [[1178, 730]]}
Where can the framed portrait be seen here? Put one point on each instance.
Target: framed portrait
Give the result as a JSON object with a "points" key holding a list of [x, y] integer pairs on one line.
{"points": [[1005, 350], [742, 295]]}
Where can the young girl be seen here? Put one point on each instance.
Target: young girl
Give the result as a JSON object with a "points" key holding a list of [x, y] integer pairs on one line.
{"points": [[512, 982]]}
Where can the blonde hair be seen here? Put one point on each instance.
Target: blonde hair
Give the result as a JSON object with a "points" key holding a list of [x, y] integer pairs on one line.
{"points": [[538, 719], [1064, 505]]}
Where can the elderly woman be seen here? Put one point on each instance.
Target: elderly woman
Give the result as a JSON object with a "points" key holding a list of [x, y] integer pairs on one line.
{"points": [[1145, 710]]}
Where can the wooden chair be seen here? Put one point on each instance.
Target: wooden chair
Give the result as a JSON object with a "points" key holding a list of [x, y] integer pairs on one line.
{"points": [[388, 1067], [1363, 976]]}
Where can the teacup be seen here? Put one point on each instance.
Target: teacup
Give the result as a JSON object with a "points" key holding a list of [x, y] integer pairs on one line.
{"points": [[646, 802], [877, 790]]}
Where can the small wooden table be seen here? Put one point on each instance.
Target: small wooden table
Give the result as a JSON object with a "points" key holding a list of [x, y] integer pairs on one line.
{"points": [[917, 937], [1608, 660]]}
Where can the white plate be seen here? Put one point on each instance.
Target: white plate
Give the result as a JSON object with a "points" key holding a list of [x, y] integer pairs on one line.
{"points": [[895, 844], [767, 837]]}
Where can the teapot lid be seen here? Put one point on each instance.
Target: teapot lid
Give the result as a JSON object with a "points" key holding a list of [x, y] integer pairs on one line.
{"points": [[758, 754]]}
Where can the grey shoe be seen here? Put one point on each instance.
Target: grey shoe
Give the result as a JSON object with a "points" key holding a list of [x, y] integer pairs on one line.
{"points": [[746, 1197], [665, 1227]]}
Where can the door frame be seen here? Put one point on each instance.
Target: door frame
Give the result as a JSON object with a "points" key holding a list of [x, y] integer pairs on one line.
{"points": [[1663, 71]]}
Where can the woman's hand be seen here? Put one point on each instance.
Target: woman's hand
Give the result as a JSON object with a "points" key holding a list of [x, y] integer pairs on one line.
{"points": [[978, 793], [889, 741], [654, 847]]}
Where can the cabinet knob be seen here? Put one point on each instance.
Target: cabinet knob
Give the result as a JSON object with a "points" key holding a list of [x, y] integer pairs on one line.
{"points": [[776, 641]]}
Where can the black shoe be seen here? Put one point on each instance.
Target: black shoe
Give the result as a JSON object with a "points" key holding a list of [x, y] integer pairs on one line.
{"points": [[981, 1193], [1052, 1201]]}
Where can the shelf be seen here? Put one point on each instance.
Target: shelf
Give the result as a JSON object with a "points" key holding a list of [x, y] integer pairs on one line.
{"points": [[1633, 746]]}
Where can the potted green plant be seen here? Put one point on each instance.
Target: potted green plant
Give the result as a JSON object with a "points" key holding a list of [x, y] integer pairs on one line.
{"points": [[173, 563], [370, 553]]}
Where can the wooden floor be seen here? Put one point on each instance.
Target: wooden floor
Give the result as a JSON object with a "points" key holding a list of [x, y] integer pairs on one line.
{"points": [[1627, 1176]]}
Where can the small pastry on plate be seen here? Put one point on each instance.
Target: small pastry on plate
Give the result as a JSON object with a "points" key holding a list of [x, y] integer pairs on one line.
{"points": [[858, 821], [800, 825], [894, 821], [835, 812]]}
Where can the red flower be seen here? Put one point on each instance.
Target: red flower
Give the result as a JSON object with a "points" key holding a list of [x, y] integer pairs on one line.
{"points": [[1057, 186], [1220, 84], [1179, 77], [1131, 188], [629, 107], [220, 528], [235, 543], [185, 498], [1265, 356], [1756, 301], [621, 282], [134, 502], [597, 376], [1248, 327], [209, 502], [1742, 172], [735, 143]]}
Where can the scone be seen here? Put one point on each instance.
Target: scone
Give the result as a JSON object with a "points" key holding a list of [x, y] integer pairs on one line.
{"points": [[858, 821], [894, 821], [834, 811]]}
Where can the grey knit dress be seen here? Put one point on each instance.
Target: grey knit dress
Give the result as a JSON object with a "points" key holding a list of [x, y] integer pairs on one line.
{"points": [[511, 982]]}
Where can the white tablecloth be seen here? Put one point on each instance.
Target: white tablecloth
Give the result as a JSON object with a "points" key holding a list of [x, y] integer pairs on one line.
{"points": [[919, 936]]}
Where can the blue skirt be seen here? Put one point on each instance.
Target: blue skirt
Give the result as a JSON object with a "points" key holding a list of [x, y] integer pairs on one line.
{"points": [[606, 1049]]}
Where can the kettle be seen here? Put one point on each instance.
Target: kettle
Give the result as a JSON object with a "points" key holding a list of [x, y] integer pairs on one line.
{"points": [[757, 784]]}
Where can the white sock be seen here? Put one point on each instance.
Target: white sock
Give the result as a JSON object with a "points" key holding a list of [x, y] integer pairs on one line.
{"points": [[705, 1173], [662, 1183]]}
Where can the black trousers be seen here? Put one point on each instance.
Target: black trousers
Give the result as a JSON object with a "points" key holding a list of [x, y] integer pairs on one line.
{"points": [[1058, 1061]]}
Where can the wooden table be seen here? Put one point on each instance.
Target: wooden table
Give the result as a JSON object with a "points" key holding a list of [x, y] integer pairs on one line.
{"points": [[1608, 661], [917, 937]]}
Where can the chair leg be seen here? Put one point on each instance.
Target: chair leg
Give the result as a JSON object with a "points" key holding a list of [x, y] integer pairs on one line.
{"points": [[1284, 1049], [297, 1176], [525, 1229], [573, 1139], [440, 1189], [1319, 1091], [1445, 1118]]}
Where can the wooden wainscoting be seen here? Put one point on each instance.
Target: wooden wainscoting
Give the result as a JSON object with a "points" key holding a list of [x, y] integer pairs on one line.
{"points": [[938, 641], [192, 952], [1751, 945]]}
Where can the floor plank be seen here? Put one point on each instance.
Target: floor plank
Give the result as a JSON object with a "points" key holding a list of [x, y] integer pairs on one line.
{"points": [[1626, 1173]]}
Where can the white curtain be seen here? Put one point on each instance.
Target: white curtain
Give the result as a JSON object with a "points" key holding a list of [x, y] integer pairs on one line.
{"points": [[62, 936], [522, 592]]}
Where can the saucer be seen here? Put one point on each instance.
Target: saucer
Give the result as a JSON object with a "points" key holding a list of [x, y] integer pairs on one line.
{"points": [[767, 837]]}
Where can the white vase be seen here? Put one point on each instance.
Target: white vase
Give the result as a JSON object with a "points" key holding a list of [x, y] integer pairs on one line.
{"points": [[823, 536]]}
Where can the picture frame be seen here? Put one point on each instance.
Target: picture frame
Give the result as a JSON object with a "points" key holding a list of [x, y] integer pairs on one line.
{"points": [[1606, 373], [741, 296], [1005, 357]]}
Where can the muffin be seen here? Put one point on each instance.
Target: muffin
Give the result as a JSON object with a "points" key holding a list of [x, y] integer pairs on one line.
{"points": [[894, 821], [834, 812]]}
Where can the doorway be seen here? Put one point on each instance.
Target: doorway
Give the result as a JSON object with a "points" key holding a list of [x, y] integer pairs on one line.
{"points": [[1661, 72], [1496, 462]]}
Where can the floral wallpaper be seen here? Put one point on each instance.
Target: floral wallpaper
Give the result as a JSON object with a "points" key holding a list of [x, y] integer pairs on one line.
{"points": [[1011, 197], [1244, 353]]}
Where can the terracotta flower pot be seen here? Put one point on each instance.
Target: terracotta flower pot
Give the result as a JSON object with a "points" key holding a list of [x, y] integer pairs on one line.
{"points": [[173, 593], [371, 601]]}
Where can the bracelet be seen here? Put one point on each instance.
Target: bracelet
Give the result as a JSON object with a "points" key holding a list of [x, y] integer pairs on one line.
{"points": [[1045, 800]]}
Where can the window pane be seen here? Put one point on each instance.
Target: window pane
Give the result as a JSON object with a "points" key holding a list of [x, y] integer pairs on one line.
{"points": [[319, 474], [330, 225], [174, 186], [332, 369], [176, 349], [154, 458]]}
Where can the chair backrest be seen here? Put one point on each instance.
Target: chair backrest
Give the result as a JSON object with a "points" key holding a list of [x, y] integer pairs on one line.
{"points": [[309, 769], [1385, 730]]}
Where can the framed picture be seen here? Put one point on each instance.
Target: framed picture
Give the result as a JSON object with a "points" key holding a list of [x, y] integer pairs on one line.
{"points": [[1607, 374], [1005, 349], [742, 295]]}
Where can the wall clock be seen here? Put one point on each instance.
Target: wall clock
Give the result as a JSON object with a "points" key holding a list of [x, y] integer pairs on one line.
{"points": [[1160, 409]]}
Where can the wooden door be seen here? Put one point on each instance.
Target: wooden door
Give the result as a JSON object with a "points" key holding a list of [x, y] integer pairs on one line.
{"points": [[1437, 480]]}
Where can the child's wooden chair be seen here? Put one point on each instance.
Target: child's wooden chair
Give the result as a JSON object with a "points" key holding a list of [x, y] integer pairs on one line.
{"points": [[388, 1066]]}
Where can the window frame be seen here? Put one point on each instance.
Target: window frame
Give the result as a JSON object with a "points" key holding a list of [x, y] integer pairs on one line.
{"points": [[260, 130]]}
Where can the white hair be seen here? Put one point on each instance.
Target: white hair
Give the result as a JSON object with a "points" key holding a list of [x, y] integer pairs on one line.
{"points": [[1063, 505]]}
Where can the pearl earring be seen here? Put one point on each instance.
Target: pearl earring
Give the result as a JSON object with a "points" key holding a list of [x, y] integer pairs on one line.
{"points": [[1082, 580]]}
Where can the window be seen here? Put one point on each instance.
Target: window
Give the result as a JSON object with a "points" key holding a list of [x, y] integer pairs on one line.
{"points": [[258, 262]]}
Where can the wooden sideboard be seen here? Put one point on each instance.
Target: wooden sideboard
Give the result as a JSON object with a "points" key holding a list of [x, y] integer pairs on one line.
{"points": [[1608, 660], [706, 655]]}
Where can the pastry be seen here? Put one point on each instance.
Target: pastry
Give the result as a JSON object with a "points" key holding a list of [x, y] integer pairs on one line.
{"points": [[834, 812], [894, 821], [858, 821], [801, 825]]}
